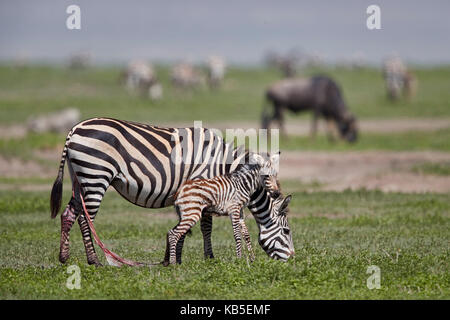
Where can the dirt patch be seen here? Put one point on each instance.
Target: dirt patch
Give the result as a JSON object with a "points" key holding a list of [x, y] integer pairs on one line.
{"points": [[337, 171], [17, 168], [13, 131], [26, 187], [296, 127], [386, 171], [301, 127]]}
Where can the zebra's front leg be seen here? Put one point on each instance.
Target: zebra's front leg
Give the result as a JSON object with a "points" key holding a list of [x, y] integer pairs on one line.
{"points": [[68, 217], [206, 227], [87, 240], [235, 222], [246, 236]]}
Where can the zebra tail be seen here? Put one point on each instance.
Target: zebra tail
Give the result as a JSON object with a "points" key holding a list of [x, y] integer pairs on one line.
{"points": [[56, 195]]}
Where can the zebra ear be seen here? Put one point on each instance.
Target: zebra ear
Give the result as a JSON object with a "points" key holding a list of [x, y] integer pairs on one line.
{"points": [[256, 159], [285, 203], [275, 158]]}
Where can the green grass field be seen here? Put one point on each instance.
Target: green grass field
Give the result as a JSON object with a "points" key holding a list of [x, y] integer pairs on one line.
{"points": [[337, 237], [29, 91], [97, 92]]}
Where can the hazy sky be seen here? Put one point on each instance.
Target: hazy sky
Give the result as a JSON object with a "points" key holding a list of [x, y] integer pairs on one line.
{"points": [[242, 31]]}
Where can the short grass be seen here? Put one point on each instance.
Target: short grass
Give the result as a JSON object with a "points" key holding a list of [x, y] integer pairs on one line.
{"points": [[337, 237], [97, 91], [439, 169]]}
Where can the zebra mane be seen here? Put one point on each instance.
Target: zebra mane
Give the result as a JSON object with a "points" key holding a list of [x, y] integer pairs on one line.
{"points": [[243, 167]]}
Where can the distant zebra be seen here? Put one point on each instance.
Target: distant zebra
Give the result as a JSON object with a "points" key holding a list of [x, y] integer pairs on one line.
{"points": [[398, 79], [147, 165], [216, 68], [222, 195]]}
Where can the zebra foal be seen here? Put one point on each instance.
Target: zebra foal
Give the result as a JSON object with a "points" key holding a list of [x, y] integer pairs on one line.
{"points": [[221, 195]]}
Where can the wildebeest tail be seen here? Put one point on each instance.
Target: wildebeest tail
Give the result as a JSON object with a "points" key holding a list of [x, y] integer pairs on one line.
{"points": [[56, 195]]}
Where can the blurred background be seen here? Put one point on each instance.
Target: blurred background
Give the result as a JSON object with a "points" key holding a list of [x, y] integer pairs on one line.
{"points": [[365, 140], [170, 63]]}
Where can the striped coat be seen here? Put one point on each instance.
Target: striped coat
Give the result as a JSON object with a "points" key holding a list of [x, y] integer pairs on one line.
{"points": [[222, 195], [145, 164]]}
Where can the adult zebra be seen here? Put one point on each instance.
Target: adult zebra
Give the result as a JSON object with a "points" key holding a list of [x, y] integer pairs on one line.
{"points": [[146, 165]]}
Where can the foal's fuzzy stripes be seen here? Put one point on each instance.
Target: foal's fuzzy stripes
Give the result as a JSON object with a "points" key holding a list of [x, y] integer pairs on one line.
{"points": [[226, 195]]}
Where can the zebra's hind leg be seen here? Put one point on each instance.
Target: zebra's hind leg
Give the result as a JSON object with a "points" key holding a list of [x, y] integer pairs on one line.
{"points": [[92, 199], [68, 217], [87, 240], [235, 222], [206, 227], [92, 189], [179, 251]]}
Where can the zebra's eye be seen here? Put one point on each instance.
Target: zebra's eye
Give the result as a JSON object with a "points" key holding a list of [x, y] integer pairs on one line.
{"points": [[286, 231]]}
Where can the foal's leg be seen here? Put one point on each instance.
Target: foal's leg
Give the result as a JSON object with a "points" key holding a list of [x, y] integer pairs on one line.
{"points": [[179, 250], [206, 230], [187, 221], [235, 222], [246, 236]]}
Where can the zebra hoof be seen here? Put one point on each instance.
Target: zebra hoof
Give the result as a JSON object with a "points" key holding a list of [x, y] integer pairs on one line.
{"points": [[63, 258], [165, 263], [95, 263]]}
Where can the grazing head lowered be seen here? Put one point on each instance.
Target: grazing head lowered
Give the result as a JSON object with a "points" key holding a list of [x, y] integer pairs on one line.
{"points": [[348, 128], [319, 95], [275, 237]]}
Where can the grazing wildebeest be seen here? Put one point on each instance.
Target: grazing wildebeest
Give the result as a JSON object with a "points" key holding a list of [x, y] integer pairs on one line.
{"points": [[318, 94], [398, 79]]}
